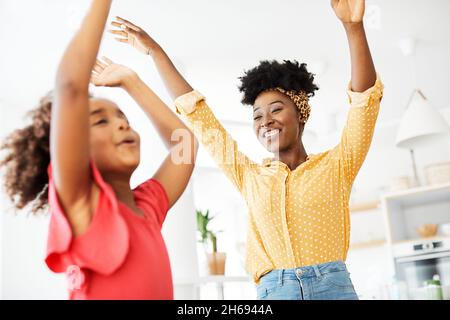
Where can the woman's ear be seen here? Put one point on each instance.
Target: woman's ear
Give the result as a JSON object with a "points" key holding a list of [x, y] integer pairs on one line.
{"points": [[301, 125], [300, 119]]}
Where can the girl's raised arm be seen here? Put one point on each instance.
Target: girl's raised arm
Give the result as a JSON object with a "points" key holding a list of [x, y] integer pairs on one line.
{"points": [[69, 137]]}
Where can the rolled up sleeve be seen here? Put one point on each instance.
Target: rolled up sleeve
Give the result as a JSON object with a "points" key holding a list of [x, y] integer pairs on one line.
{"points": [[214, 138], [186, 104], [359, 129]]}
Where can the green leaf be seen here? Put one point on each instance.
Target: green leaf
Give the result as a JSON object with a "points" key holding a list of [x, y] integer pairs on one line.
{"points": [[203, 220]]}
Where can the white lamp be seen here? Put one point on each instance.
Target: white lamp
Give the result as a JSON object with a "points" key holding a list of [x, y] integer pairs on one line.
{"points": [[421, 125]]}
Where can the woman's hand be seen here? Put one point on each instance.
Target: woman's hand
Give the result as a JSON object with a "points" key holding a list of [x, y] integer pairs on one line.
{"points": [[349, 11], [351, 14], [134, 36], [128, 32], [106, 73]]}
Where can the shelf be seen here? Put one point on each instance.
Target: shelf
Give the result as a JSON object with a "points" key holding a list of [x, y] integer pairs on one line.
{"points": [[420, 240], [211, 278], [422, 189], [367, 244], [420, 195], [222, 279], [364, 206]]}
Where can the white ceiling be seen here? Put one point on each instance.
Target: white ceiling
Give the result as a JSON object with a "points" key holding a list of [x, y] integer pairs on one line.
{"points": [[213, 41]]}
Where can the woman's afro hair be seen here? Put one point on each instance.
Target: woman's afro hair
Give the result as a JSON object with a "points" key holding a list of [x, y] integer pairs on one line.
{"points": [[289, 75]]}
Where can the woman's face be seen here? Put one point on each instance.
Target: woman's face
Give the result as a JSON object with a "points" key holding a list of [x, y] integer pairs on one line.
{"points": [[114, 145], [276, 121]]}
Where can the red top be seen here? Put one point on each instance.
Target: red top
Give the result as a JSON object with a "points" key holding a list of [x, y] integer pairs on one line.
{"points": [[121, 255]]}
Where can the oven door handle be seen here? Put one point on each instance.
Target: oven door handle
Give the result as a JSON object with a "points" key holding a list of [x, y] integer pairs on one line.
{"points": [[436, 255]]}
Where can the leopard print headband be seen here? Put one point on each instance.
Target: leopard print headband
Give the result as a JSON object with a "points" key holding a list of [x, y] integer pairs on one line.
{"points": [[300, 99]]}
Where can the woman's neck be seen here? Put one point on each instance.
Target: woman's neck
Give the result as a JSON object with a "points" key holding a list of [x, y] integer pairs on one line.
{"points": [[293, 157]]}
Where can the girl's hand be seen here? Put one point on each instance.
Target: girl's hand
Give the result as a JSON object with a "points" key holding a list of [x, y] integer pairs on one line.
{"points": [[134, 36], [106, 73], [349, 11]]}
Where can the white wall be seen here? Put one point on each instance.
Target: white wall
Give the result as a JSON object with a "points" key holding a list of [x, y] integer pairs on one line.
{"points": [[23, 237], [24, 273]]}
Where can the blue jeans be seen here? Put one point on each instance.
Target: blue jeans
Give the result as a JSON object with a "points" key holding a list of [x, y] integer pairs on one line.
{"points": [[328, 281]]}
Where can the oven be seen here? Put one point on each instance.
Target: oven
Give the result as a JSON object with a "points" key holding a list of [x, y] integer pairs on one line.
{"points": [[418, 262]]}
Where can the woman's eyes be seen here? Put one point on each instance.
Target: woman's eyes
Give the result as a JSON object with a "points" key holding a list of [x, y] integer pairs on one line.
{"points": [[276, 110]]}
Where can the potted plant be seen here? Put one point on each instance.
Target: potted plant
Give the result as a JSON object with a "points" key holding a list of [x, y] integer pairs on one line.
{"points": [[216, 260]]}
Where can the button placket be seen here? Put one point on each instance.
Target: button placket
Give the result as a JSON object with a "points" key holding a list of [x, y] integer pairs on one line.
{"points": [[288, 243]]}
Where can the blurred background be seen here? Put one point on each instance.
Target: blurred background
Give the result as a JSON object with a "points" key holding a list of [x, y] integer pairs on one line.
{"points": [[400, 221]]}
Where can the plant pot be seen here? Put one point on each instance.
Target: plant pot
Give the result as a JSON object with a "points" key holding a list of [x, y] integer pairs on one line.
{"points": [[216, 263]]}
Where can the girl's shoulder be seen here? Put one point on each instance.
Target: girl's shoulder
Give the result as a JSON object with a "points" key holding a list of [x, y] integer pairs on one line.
{"points": [[151, 197]]}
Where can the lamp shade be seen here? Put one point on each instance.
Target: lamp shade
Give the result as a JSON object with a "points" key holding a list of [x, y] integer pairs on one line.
{"points": [[421, 124]]}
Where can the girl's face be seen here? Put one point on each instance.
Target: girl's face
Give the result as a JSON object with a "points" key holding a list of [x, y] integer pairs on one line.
{"points": [[114, 146], [276, 121]]}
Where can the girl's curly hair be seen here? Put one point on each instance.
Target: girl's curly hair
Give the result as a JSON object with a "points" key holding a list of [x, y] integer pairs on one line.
{"points": [[289, 75], [27, 158]]}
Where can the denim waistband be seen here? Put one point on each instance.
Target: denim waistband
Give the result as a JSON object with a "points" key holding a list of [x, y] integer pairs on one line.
{"points": [[304, 272]]}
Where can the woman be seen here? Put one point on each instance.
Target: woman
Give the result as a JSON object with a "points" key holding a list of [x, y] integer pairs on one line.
{"points": [[105, 236], [299, 225]]}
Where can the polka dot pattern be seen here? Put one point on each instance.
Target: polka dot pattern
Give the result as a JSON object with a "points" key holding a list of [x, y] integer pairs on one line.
{"points": [[300, 217]]}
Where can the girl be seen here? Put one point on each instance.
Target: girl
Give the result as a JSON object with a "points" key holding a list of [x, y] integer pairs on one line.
{"points": [[105, 236], [299, 226]]}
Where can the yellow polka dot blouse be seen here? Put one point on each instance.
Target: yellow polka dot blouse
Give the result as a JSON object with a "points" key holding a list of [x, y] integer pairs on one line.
{"points": [[300, 217]]}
